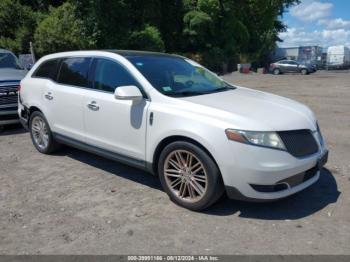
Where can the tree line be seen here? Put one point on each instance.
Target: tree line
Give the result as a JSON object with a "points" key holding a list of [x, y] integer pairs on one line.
{"points": [[217, 33]]}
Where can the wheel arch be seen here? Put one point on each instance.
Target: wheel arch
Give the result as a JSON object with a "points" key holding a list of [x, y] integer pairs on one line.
{"points": [[32, 109], [175, 138]]}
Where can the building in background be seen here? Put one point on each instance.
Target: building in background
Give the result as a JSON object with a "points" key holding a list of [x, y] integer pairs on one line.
{"points": [[338, 57], [290, 53]]}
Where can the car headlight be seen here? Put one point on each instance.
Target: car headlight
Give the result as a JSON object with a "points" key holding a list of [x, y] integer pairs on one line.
{"points": [[265, 139]]}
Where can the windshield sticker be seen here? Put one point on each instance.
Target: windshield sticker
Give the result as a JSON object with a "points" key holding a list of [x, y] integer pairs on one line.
{"points": [[139, 64], [166, 88]]}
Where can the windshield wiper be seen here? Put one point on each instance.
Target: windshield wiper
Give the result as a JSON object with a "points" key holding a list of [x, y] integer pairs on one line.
{"points": [[196, 93], [221, 89], [185, 93]]}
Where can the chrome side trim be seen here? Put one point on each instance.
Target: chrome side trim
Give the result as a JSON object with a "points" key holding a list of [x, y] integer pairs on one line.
{"points": [[138, 163]]}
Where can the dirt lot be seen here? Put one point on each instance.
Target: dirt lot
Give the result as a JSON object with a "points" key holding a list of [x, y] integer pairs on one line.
{"points": [[77, 203]]}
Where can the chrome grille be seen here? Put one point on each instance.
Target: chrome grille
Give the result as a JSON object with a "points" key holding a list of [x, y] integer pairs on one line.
{"points": [[299, 143], [8, 93]]}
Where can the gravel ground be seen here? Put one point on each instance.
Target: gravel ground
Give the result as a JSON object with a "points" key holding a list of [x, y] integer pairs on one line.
{"points": [[77, 203]]}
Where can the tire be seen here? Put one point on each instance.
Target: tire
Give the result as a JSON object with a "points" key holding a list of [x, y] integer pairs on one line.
{"points": [[40, 131], [304, 72], [276, 71], [205, 174]]}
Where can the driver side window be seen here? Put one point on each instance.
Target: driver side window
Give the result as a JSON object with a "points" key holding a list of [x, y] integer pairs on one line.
{"points": [[109, 75]]}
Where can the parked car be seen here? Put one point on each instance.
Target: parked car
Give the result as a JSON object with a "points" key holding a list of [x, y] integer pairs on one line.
{"points": [[11, 73], [172, 117], [291, 66]]}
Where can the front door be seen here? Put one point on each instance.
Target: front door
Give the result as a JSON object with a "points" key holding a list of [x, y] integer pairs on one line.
{"points": [[292, 67], [118, 126]]}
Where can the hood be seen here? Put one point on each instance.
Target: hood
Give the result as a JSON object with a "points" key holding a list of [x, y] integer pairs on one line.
{"points": [[7, 74], [253, 110]]}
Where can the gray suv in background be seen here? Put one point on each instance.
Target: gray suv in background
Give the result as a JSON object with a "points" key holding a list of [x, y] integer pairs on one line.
{"points": [[291, 66], [11, 73]]}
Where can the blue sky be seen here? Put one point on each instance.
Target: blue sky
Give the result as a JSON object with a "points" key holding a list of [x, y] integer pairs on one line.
{"points": [[317, 22]]}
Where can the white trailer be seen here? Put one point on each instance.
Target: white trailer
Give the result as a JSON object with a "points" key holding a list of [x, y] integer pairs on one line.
{"points": [[338, 57]]}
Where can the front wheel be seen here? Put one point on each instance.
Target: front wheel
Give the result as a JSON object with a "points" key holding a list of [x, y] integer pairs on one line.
{"points": [[189, 176], [304, 72], [276, 71]]}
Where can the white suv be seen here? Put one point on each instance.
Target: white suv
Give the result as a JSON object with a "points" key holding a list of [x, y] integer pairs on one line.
{"points": [[169, 115]]}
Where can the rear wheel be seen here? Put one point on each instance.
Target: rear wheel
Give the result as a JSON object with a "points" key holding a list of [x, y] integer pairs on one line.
{"points": [[189, 176], [41, 135], [276, 71]]}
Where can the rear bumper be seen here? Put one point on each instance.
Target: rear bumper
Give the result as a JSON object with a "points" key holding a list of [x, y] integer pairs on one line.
{"points": [[24, 123], [23, 114]]}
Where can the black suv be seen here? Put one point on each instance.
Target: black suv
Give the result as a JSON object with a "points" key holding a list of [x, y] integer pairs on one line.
{"points": [[291, 66], [11, 73]]}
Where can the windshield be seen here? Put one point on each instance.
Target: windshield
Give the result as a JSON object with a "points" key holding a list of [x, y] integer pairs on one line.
{"points": [[175, 76], [8, 60]]}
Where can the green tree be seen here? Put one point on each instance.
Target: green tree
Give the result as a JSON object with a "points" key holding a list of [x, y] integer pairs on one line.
{"points": [[218, 33], [41, 5], [62, 30], [241, 30], [262, 18], [17, 24], [113, 22], [171, 24]]}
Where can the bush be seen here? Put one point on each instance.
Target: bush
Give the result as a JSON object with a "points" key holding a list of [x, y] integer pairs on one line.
{"points": [[215, 60], [147, 39]]}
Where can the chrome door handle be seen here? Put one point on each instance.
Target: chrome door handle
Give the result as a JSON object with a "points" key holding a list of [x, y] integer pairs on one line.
{"points": [[93, 106], [49, 96]]}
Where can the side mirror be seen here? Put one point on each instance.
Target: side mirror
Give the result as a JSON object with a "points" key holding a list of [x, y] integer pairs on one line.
{"points": [[128, 93]]}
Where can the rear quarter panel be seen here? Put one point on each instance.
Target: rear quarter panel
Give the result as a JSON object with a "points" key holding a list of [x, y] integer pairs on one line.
{"points": [[32, 92]]}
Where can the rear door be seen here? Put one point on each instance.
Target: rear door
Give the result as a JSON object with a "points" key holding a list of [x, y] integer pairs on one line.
{"points": [[118, 126], [293, 66], [40, 86], [65, 97]]}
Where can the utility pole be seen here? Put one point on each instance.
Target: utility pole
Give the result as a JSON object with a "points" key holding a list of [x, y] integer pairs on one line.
{"points": [[32, 51]]}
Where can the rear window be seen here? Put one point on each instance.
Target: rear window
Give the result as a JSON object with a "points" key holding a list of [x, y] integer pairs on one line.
{"points": [[47, 69], [74, 71]]}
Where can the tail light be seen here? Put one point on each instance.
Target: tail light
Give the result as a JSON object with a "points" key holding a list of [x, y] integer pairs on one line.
{"points": [[19, 88]]}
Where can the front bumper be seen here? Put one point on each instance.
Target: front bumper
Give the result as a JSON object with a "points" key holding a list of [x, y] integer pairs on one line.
{"points": [[261, 174], [8, 115]]}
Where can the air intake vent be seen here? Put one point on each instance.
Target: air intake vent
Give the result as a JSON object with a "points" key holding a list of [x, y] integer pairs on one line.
{"points": [[299, 143]]}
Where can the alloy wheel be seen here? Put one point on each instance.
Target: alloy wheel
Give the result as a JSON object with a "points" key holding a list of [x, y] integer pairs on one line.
{"points": [[185, 175], [40, 132]]}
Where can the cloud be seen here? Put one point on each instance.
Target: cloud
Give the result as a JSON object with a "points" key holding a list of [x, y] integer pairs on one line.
{"points": [[337, 23], [311, 10], [327, 37]]}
